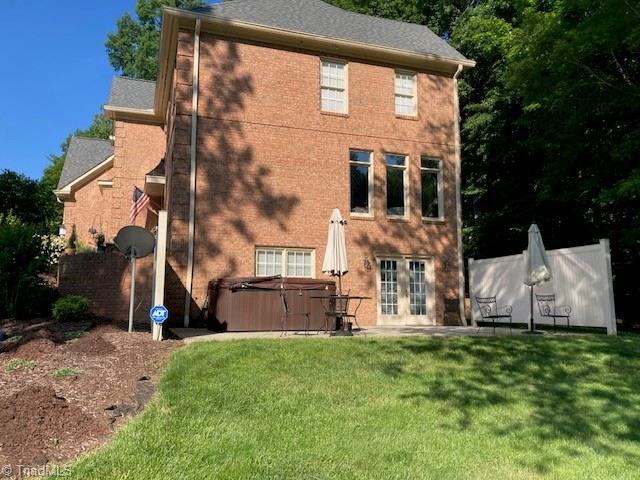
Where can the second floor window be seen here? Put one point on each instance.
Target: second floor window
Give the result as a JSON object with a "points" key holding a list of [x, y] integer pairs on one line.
{"points": [[361, 172], [431, 179], [333, 94], [396, 184], [405, 92]]}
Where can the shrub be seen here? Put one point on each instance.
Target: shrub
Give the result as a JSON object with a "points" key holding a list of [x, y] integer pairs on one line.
{"points": [[70, 308], [73, 238], [84, 248], [36, 299], [99, 238], [51, 247], [21, 261]]}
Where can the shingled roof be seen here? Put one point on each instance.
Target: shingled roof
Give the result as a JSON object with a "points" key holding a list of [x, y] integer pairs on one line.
{"points": [[319, 18], [83, 155], [132, 93]]}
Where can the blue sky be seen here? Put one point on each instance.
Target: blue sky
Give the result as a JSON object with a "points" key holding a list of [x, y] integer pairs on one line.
{"points": [[56, 74]]}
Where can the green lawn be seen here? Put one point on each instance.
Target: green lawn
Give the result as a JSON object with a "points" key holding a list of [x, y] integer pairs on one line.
{"points": [[410, 408]]}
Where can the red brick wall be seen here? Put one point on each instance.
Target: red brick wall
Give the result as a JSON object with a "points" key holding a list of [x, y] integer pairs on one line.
{"points": [[105, 280], [271, 166], [90, 207], [138, 148]]}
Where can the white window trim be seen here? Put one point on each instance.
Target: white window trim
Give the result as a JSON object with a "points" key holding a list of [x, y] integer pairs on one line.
{"points": [[346, 85], [370, 184], [403, 295], [405, 183], [284, 251], [415, 93], [439, 171]]}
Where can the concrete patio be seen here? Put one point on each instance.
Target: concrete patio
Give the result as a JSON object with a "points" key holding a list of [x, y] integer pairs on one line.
{"points": [[190, 335]]}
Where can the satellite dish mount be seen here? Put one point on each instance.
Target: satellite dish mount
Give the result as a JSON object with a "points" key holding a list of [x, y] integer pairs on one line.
{"points": [[134, 242]]}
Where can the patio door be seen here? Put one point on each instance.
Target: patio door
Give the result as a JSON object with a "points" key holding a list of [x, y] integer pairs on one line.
{"points": [[405, 291]]}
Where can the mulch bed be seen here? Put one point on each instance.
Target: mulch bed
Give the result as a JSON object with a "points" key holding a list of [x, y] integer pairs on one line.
{"points": [[44, 419], [40, 426], [92, 345]]}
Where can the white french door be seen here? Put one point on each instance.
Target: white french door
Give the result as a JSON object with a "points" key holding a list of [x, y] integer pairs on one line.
{"points": [[405, 291]]}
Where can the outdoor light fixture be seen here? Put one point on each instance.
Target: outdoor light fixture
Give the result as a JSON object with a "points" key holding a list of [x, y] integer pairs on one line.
{"points": [[367, 264]]}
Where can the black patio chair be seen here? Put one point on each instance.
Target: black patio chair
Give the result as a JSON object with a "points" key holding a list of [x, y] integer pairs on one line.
{"points": [[548, 308], [342, 310], [490, 310], [286, 313]]}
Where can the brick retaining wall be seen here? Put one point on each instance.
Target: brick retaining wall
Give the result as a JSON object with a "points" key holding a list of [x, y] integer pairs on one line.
{"points": [[105, 280]]}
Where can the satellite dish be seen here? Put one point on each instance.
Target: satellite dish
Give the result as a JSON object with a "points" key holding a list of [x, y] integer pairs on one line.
{"points": [[134, 242]]}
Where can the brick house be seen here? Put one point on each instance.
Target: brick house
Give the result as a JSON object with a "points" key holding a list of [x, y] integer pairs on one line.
{"points": [[265, 116]]}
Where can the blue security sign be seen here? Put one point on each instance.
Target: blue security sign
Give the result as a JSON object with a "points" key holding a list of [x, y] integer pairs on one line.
{"points": [[159, 314]]}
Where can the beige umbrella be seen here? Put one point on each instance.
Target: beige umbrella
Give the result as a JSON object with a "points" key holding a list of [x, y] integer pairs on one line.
{"points": [[335, 255], [536, 266]]}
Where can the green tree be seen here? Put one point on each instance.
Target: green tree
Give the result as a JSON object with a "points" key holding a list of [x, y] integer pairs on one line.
{"points": [[439, 15], [499, 171], [19, 197], [133, 48], [576, 66]]}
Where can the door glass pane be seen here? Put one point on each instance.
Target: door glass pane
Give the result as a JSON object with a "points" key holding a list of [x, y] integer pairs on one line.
{"points": [[417, 288], [389, 287]]}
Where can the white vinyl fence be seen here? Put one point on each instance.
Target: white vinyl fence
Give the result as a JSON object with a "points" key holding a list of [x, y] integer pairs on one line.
{"points": [[581, 279]]}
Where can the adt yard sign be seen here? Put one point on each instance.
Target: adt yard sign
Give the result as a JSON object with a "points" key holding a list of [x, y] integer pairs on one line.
{"points": [[159, 314]]}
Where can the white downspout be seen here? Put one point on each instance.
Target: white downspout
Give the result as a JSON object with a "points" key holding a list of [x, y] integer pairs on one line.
{"points": [[458, 160], [192, 178]]}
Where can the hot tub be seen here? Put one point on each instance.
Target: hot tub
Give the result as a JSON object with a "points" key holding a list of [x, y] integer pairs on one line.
{"points": [[254, 303]]}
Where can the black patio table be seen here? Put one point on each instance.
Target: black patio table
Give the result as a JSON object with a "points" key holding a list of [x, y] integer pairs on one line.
{"points": [[331, 311]]}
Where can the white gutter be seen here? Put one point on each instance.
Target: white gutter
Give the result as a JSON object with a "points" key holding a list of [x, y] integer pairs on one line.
{"points": [[192, 179], [83, 179], [458, 160]]}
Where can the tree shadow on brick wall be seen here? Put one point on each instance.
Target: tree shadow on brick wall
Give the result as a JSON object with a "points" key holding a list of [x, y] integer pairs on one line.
{"points": [[428, 238], [234, 188]]}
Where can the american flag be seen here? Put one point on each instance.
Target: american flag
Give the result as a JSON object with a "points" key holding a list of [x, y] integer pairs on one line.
{"points": [[140, 201]]}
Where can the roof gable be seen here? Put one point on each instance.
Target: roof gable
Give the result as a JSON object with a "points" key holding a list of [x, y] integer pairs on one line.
{"points": [[83, 155], [319, 18]]}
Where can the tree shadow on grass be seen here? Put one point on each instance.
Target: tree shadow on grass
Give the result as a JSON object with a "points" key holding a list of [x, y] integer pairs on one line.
{"points": [[580, 389]]}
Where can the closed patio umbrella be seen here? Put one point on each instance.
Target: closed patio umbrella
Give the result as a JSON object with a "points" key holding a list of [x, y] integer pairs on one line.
{"points": [[536, 266], [335, 255]]}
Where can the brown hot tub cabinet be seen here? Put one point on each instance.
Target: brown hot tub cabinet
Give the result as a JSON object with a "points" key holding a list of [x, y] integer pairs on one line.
{"points": [[254, 303]]}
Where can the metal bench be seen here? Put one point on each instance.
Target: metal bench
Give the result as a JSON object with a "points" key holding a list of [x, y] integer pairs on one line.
{"points": [[548, 308], [490, 310]]}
